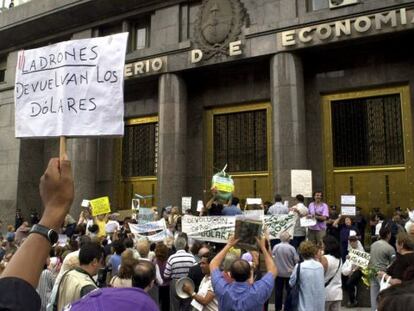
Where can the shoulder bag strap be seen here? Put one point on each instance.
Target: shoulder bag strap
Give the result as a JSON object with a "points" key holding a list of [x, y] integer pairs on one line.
{"points": [[329, 281]]}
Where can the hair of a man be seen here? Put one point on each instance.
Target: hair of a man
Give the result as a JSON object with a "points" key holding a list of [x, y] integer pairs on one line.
{"points": [[240, 270], [300, 198], [180, 243], [235, 201], [278, 198], [284, 236], [229, 259], [90, 251], [144, 274]]}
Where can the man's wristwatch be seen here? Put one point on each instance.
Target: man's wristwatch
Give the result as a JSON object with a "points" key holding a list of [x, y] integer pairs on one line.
{"points": [[50, 234]]}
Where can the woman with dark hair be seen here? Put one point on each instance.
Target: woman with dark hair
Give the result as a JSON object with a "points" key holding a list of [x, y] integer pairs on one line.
{"points": [[161, 256], [399, 297], [345, 226], [404, 262], [331, 263]]}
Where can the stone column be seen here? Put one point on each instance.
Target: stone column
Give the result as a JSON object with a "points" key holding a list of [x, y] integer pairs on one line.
{"points": [[289, 129], [82, 153], [172, 102]]}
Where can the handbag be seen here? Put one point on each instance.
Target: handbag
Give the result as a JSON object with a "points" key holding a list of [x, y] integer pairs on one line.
{"points": [[385, 282], [292, 300]]}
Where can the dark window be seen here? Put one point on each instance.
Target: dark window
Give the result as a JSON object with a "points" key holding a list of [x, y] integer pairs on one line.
{"points": [[240, 141], [139, 150], [107, 30], [367, 131], [2, 75]]}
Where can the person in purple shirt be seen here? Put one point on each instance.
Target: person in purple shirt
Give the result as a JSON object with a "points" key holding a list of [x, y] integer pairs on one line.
{"points": [[320, 211], [243, 293]]}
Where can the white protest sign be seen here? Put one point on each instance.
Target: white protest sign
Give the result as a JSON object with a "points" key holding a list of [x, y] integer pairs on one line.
{"points": [[219, 228], [255, 213], [301, 183], [307, 222], [85, 203], [72, 88], [185, 204], [149, 226], [200, 206], [62, 240], [135, 203], [359, 258], [251, 201], [348, 210], [348, 200]]}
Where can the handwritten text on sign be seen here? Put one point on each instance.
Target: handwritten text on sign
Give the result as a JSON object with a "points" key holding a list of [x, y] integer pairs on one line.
{"points": [[359, 258], [219, 228], [73, 88], [100, 206]]}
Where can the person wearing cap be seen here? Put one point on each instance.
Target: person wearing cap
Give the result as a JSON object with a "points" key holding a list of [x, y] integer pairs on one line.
{"points": [[352, 272], [286, 258], [241, 295]]}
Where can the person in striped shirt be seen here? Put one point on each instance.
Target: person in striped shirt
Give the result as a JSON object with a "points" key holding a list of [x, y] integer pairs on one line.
{"points": [[178, 266]]}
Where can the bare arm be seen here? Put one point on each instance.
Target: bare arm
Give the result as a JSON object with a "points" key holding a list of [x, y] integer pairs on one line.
{"points": [[217, 260], [204, 300], [56, 191]]}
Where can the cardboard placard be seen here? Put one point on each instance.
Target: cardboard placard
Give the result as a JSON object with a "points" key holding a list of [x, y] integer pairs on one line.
{"points": [[135, 203], [359, 258], [246, 231], [347, 210], [185, 204], [307, 222], [72, 88], [200, 206], [252, 201], [85, 203], [100, 206], [301, 183], [348, 200]]}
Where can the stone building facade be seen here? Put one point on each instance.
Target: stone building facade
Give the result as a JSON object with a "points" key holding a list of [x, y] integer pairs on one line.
{"points": [[264, 86]]}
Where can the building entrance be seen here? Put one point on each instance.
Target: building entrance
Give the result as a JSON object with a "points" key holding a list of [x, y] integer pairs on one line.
{"points": [[138, 164], [368, 148], [239, 137]]}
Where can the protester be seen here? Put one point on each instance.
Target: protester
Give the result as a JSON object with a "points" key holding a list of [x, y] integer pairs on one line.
{"points": [[352, 272], [177, 267], [332, 264], [404, 260], [382, 254], [45, 286], [320, 211], [126, 270], [115, 259], [240, 295], [278, 208], [160, 261], [399, 297], [299, 232], [345, 228], [311, 285], [233, 209], [205, 294], [286, 258]]}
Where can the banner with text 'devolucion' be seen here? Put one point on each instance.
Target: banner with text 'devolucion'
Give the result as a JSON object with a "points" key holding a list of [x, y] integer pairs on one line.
{"points": [[72, 88]]}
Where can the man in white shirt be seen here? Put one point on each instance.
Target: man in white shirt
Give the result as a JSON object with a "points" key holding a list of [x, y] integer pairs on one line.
{"points": [[278, 208]]}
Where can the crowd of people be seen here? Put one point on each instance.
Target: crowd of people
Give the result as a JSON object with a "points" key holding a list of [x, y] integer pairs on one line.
{"points": [[102, 263]]}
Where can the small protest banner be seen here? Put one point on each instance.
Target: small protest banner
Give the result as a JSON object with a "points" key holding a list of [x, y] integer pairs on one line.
{"points": [[252, 201], [359, 258], [85, 203], [72, 88], [200, 206], [154, 231], [348, 200], [185, 204], [135, 204], [145, 215], [219, 228], [348, 210], [307, 222], [254, 213], [100, 206], [301, 183]]}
